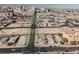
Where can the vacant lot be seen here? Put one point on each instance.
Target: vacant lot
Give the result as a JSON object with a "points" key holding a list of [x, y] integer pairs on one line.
{"points": [[16, 31]]}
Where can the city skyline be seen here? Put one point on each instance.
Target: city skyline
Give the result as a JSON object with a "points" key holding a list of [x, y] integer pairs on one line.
{"points": [[71, 6]]}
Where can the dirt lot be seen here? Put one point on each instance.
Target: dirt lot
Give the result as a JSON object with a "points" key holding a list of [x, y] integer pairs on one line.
{"points": [[19, 25], [16, 31], [48, 30]]}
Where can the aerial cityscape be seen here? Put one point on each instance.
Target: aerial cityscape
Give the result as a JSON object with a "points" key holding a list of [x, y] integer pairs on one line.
{"points": [[32, 30]]}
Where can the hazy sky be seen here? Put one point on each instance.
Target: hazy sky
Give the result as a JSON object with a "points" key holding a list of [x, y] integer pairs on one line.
{"points": [[56, 5], [50, 5]]}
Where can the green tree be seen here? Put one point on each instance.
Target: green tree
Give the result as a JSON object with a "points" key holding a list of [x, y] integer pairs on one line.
{"points": [[62, 42], [73, 42], [65, 39], [60, 34]]}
